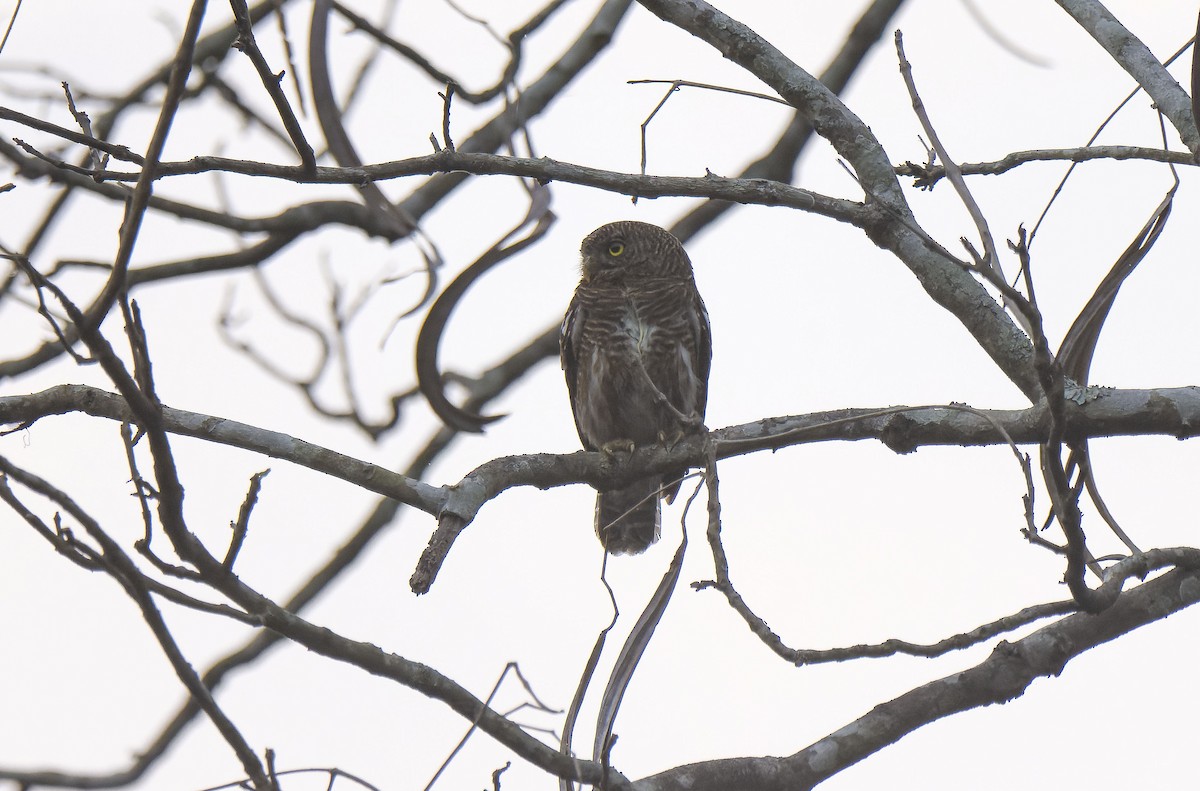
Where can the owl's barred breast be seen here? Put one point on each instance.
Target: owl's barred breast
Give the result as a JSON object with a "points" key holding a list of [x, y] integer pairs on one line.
{"points": [[630, 352]]}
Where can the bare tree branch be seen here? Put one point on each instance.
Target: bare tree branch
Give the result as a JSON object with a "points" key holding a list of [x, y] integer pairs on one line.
{"points": [[779, 163], [88, 287], [927, 176], [1132, 55], [1002, 677], [944, 280], [246, 43], [1104, 412], [126, 573]]}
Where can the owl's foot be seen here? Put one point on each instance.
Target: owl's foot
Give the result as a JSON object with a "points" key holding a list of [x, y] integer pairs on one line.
{"points": [[669, 441], [615, 446]]}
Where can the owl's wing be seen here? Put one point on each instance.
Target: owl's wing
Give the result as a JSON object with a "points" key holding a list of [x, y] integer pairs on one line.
{"points": [[568, 340], [702, 330]]}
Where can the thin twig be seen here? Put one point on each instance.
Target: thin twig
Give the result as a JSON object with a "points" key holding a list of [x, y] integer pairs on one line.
{"points": [[139, 200], [271, 82], [124, 571], [511, 667], [242, 526], [12, 20], [1095, 136], [675, 86], [991, 257]]}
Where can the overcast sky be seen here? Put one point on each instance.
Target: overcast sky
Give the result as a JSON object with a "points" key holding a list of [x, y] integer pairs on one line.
{"points": [[832, 544]]}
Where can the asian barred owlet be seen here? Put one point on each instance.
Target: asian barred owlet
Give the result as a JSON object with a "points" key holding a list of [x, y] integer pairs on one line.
{"points": [[636, 350]]}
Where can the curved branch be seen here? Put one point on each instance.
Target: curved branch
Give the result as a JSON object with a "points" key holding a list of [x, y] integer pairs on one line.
{"points": [[429, 377], [1114, 579], [329, 115], [1003, 676]]}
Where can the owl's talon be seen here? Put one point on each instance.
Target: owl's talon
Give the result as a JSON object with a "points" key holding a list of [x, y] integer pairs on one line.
{"points": [[669, 441], [615, 446]]}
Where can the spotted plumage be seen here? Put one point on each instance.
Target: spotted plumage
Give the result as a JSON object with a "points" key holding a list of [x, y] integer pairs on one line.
{"points": [[635, 350]]}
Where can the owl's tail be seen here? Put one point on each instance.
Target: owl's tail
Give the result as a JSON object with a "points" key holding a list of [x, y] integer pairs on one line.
{"points": [[628, 520]]}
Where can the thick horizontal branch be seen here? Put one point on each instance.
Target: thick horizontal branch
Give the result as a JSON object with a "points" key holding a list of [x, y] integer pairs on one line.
{"points": [[1096, 412], [762, 192], [62, 399], [751, 191], [1106, 412], [1002, 677], [1093, 413]]}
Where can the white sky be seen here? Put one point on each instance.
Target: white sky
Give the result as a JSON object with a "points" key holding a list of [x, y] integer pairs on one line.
{"points": [[833, 544]]}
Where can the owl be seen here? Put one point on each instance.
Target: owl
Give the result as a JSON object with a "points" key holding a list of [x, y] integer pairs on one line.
{"points": [[636, 350]]}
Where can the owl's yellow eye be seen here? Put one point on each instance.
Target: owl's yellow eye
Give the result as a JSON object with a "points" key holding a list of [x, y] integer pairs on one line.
{"points": [[616, 248]]}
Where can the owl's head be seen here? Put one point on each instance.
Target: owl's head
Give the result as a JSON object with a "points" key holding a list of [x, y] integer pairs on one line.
{"points": [[632, 250]]}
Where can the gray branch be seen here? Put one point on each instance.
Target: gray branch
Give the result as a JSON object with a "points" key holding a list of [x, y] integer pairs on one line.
{"points": [[1136, 58], [893, 226], [1096, 412], [1003, 676]]}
